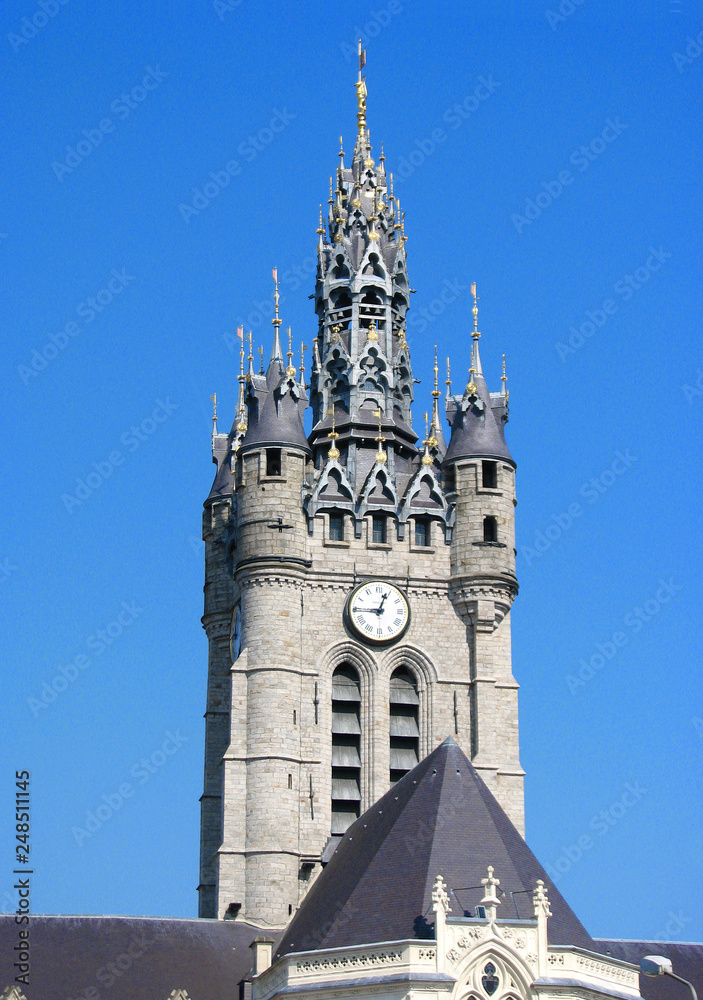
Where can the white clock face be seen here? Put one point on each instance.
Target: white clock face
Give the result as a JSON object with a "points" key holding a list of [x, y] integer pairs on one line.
{"points": [[235, 637], [378, 612]]}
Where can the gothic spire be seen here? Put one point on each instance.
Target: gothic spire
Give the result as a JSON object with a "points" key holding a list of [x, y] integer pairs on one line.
{"points": [[361, 359]]}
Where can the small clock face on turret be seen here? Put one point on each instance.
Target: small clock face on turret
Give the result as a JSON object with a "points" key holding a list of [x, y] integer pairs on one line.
{"points": [[377, 612]]}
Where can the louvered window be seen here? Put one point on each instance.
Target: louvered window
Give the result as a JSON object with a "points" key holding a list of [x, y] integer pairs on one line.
{"points": [[404, 723], [346, 749]]}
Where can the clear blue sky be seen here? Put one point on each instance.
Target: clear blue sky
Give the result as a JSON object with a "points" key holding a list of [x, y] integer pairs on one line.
{"points": [[106, 222]]}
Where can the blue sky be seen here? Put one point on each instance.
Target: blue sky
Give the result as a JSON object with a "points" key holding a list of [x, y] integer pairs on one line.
{"points": [[553, 158]]}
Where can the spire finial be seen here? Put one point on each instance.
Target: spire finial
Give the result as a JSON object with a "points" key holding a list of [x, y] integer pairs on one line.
{"points": [[290, 370], [371, 333], [242, 421], [361, 95], [391, 196], [471, 386], [382, 157], [213, 400], [260, 349], [448, 380], [435, 424], [427, 458], [330, 200], [340, 154], [276, 353], [250, 359], [381, 456], [333, 435], [475, 333], [321, 226], [504, 380], [276, 297]]}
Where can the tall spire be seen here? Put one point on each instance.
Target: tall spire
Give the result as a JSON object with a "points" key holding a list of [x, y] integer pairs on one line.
{"points": [[360, 355]]}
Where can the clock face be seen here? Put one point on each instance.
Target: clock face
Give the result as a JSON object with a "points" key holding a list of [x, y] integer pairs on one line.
{"points": [[378, 612], [235, 636]]}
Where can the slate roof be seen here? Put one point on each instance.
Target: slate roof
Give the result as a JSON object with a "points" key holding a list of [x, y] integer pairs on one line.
{"points": [[475, 434], [440, 819], [687, 960], [69, 955]]}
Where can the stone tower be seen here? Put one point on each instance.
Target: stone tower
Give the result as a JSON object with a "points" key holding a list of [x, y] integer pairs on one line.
{"points": [[357, 586]]}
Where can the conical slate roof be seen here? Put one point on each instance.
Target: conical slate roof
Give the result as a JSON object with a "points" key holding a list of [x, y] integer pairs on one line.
{"points": [[477, 434], [440, 819]]}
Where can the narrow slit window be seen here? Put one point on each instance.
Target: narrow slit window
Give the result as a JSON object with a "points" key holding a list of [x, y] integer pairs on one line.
{"points": [[336, 527], [490, 475], [273, 461], [490, 529], [422, 531]]}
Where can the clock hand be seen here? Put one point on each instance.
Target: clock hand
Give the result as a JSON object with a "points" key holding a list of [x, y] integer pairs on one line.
{"points": [[370, 611]]}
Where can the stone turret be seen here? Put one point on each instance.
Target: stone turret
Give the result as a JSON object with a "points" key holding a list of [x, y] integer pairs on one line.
{"points": [[480, 473]]}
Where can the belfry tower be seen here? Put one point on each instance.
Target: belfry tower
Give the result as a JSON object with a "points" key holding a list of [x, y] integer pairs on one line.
{"points": [[358, 583]]}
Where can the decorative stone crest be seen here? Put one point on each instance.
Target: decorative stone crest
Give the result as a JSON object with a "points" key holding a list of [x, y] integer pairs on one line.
{"points": [[490, 900]]}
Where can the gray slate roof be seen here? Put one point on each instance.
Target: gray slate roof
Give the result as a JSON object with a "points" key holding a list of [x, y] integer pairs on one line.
{"points": [[440, 819], [150, 957], [476, 435], [687, 960]]}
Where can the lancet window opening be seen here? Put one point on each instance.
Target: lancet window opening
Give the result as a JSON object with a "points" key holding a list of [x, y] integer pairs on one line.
{"points": [[346, 748], [404, 723]]}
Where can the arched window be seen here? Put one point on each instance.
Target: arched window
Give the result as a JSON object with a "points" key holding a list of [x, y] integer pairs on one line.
{"points": [[346, 748], [404, 728]]}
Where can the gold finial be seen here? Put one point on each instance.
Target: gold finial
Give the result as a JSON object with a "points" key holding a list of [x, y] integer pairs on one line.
{"points": [[361, 94], [335, 333], [427, 458], [380, 454], [340, 154], [276, 321], [333, 435], [402, 228], [391, 196], [213, 400], [504, 380], [382, 157], [290, 370], [241, 355], [371, 333], [434, 424], [330, 200], [475, 334], [448, 380], [321, 226], [260, 349], [303, 349]]}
